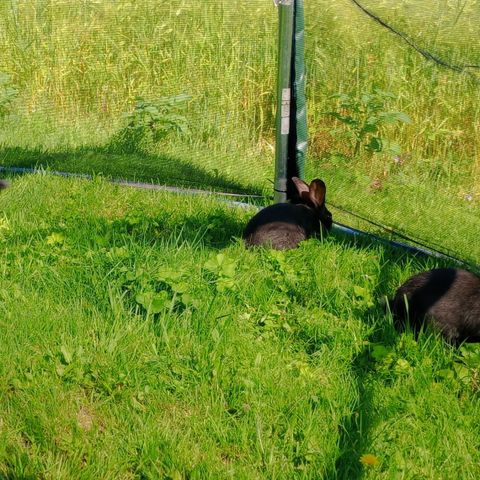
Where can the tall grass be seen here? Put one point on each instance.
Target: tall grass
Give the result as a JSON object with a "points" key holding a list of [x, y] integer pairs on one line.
{"points": [[79, 65], [349, 52], [78, 59]]}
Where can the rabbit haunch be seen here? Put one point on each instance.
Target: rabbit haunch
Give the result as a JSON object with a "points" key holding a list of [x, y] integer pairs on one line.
{"points": [[448, 299], [284, 225]]}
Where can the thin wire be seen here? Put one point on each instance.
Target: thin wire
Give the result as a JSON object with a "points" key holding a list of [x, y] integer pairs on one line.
{"points": [[403, 236], [425, 53]]}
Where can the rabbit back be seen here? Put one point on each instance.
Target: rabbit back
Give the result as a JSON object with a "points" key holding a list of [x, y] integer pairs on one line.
{"points": [[446, 298], [281, 226]]}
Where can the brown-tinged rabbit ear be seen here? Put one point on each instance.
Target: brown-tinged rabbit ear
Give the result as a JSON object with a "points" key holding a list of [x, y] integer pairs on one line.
{"points": [[302, 188], [317, 192]]}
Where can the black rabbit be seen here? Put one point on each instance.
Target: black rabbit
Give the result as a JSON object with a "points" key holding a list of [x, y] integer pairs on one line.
{"points": [[446, 298], [284, 225]]}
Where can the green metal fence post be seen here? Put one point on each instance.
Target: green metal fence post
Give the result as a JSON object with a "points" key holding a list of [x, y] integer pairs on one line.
{"points": [[284, 96], [300, 102]]}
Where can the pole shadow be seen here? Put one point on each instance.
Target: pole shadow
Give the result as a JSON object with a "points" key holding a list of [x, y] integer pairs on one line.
{"points": [[114, 164]]}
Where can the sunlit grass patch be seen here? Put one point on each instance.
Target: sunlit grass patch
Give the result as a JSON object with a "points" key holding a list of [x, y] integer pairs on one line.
{"points": [[140, 337]]}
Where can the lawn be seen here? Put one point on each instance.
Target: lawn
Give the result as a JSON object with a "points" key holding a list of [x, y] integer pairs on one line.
{"points": [[140, 339]]}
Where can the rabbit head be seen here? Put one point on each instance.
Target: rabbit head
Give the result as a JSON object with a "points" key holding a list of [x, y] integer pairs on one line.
{"points": [[313, 196]]}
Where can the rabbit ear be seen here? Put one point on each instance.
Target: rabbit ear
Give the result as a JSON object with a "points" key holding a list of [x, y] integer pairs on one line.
{"points": [[302, 188], [317, 192]]}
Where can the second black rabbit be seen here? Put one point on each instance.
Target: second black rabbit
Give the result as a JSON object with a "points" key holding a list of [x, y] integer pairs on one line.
{"points": [[448, 299]]}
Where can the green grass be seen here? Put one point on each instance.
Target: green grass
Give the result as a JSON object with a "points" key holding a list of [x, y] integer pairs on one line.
{"points": [[140, 339], [248, 364], [148, 49]]}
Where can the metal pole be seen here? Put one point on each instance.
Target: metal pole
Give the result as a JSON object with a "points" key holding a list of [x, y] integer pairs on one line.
{"points": [[284, 95]]}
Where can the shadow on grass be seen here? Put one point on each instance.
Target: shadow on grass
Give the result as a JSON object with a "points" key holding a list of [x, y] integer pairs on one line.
{"points": [[111, 162], [213, 230], [14, 476], [217, 229], [355, 431]]}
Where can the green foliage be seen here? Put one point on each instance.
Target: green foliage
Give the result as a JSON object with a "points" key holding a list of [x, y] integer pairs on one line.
{"points": [[364, 118], [158, 116], [464, 371], [363, 296], [390, 361], [224, 270], [159, 291], [151, 121], [65, 124], [282, 368]]}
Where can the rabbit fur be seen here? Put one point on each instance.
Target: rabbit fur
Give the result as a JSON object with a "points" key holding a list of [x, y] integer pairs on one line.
{"points": [[448, 299], [283, 226]]}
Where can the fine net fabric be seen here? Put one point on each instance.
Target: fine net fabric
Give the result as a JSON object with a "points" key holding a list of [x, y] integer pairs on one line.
{"points": [[175, 92], [392, 93], [183, 93]]}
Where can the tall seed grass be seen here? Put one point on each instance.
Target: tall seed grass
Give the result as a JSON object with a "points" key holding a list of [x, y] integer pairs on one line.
{"points": [[78, 59], [79, 65], [349, 52]]}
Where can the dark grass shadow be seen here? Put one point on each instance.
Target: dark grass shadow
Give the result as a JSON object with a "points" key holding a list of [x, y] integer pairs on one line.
{"points": [[217, 230], [14, 476], [213, 230], [114, 164], [355, 430], [391, 258]]}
